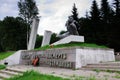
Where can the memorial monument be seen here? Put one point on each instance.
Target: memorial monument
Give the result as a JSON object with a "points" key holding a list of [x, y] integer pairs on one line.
{"points": [[73, 57], [68, 57], [72, 34], [71, 26]]}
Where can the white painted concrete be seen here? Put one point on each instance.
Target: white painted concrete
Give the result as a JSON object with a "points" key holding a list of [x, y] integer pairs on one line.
{"points": [[33, 34], [81, 56], [86, 56], [46, 38], [13, 59], [71, 38]]}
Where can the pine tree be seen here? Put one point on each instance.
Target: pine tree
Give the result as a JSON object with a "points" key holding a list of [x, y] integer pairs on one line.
{"points": [[115, 35], [117, 7], [106, 11], [75, 13], [95, 13], [95, 22], [75, 16]]}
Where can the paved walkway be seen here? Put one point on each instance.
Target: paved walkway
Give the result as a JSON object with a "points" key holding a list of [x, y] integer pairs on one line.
{"points": [[67, 73]]}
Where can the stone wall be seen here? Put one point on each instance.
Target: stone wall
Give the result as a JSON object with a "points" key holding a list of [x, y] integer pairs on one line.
{"points": [[72, 57], [86, 56]]}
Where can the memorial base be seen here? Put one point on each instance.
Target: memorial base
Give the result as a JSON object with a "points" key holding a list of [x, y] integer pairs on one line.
{"points": [[72, 57], [70, 38]]}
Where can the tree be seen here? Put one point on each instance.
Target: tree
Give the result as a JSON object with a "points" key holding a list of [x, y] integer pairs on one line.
{"points": [[95, 21], [117, 7], [38, 41], [13, 33], [1, 49], [27, 10], [95, 13], [115, 28], [54, 38], [75, 16], [105, 11], [75, 13]]}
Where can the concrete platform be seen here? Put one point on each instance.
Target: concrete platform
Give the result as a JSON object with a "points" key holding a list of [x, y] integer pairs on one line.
{"points": [[70, 57], [68, 39]]}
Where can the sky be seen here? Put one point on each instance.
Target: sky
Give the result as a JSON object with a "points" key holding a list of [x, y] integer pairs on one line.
{"points": [[54, 13]]}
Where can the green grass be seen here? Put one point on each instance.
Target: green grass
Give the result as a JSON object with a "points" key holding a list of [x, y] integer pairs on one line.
{"points": [[2, 67], [4, 55], [85, 78], [97, 71], [117, 76], [72, 45], [33, 75]]}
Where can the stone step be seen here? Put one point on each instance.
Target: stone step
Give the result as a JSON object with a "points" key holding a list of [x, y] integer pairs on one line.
{"points": [[105, 64], [4, 76], [106, 67], [117, 62], [9, 72], [15, 70], [92, 65]]}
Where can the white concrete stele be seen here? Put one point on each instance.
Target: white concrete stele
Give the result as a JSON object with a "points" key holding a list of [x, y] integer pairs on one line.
{"points": [[46, 38], [33, 34], [71, 38]]}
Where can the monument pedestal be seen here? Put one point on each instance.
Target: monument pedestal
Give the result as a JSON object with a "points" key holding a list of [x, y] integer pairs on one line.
{"points": [[70, 38], [72, 57]]}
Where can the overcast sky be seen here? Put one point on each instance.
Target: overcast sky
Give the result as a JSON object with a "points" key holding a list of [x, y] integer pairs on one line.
{"points": [[54, 12]]}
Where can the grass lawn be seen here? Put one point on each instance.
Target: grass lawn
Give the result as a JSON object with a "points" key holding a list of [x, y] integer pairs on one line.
{"points": [[5, 54], [72, 45], [32, 75], [2, 67]]}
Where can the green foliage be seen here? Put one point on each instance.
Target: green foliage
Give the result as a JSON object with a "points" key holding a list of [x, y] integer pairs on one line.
{"points": [[102, 26], [116, 4], [105, 10], [13, 33], [2, 67], [97, 70], [27, 10], [75, 16], [75, 13], [85, 78], [4, 55], [54, 38], [1, 49], [33, 75], [62, 32], [38, 41], [71, 45], [95, 12], [117, 76]]}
